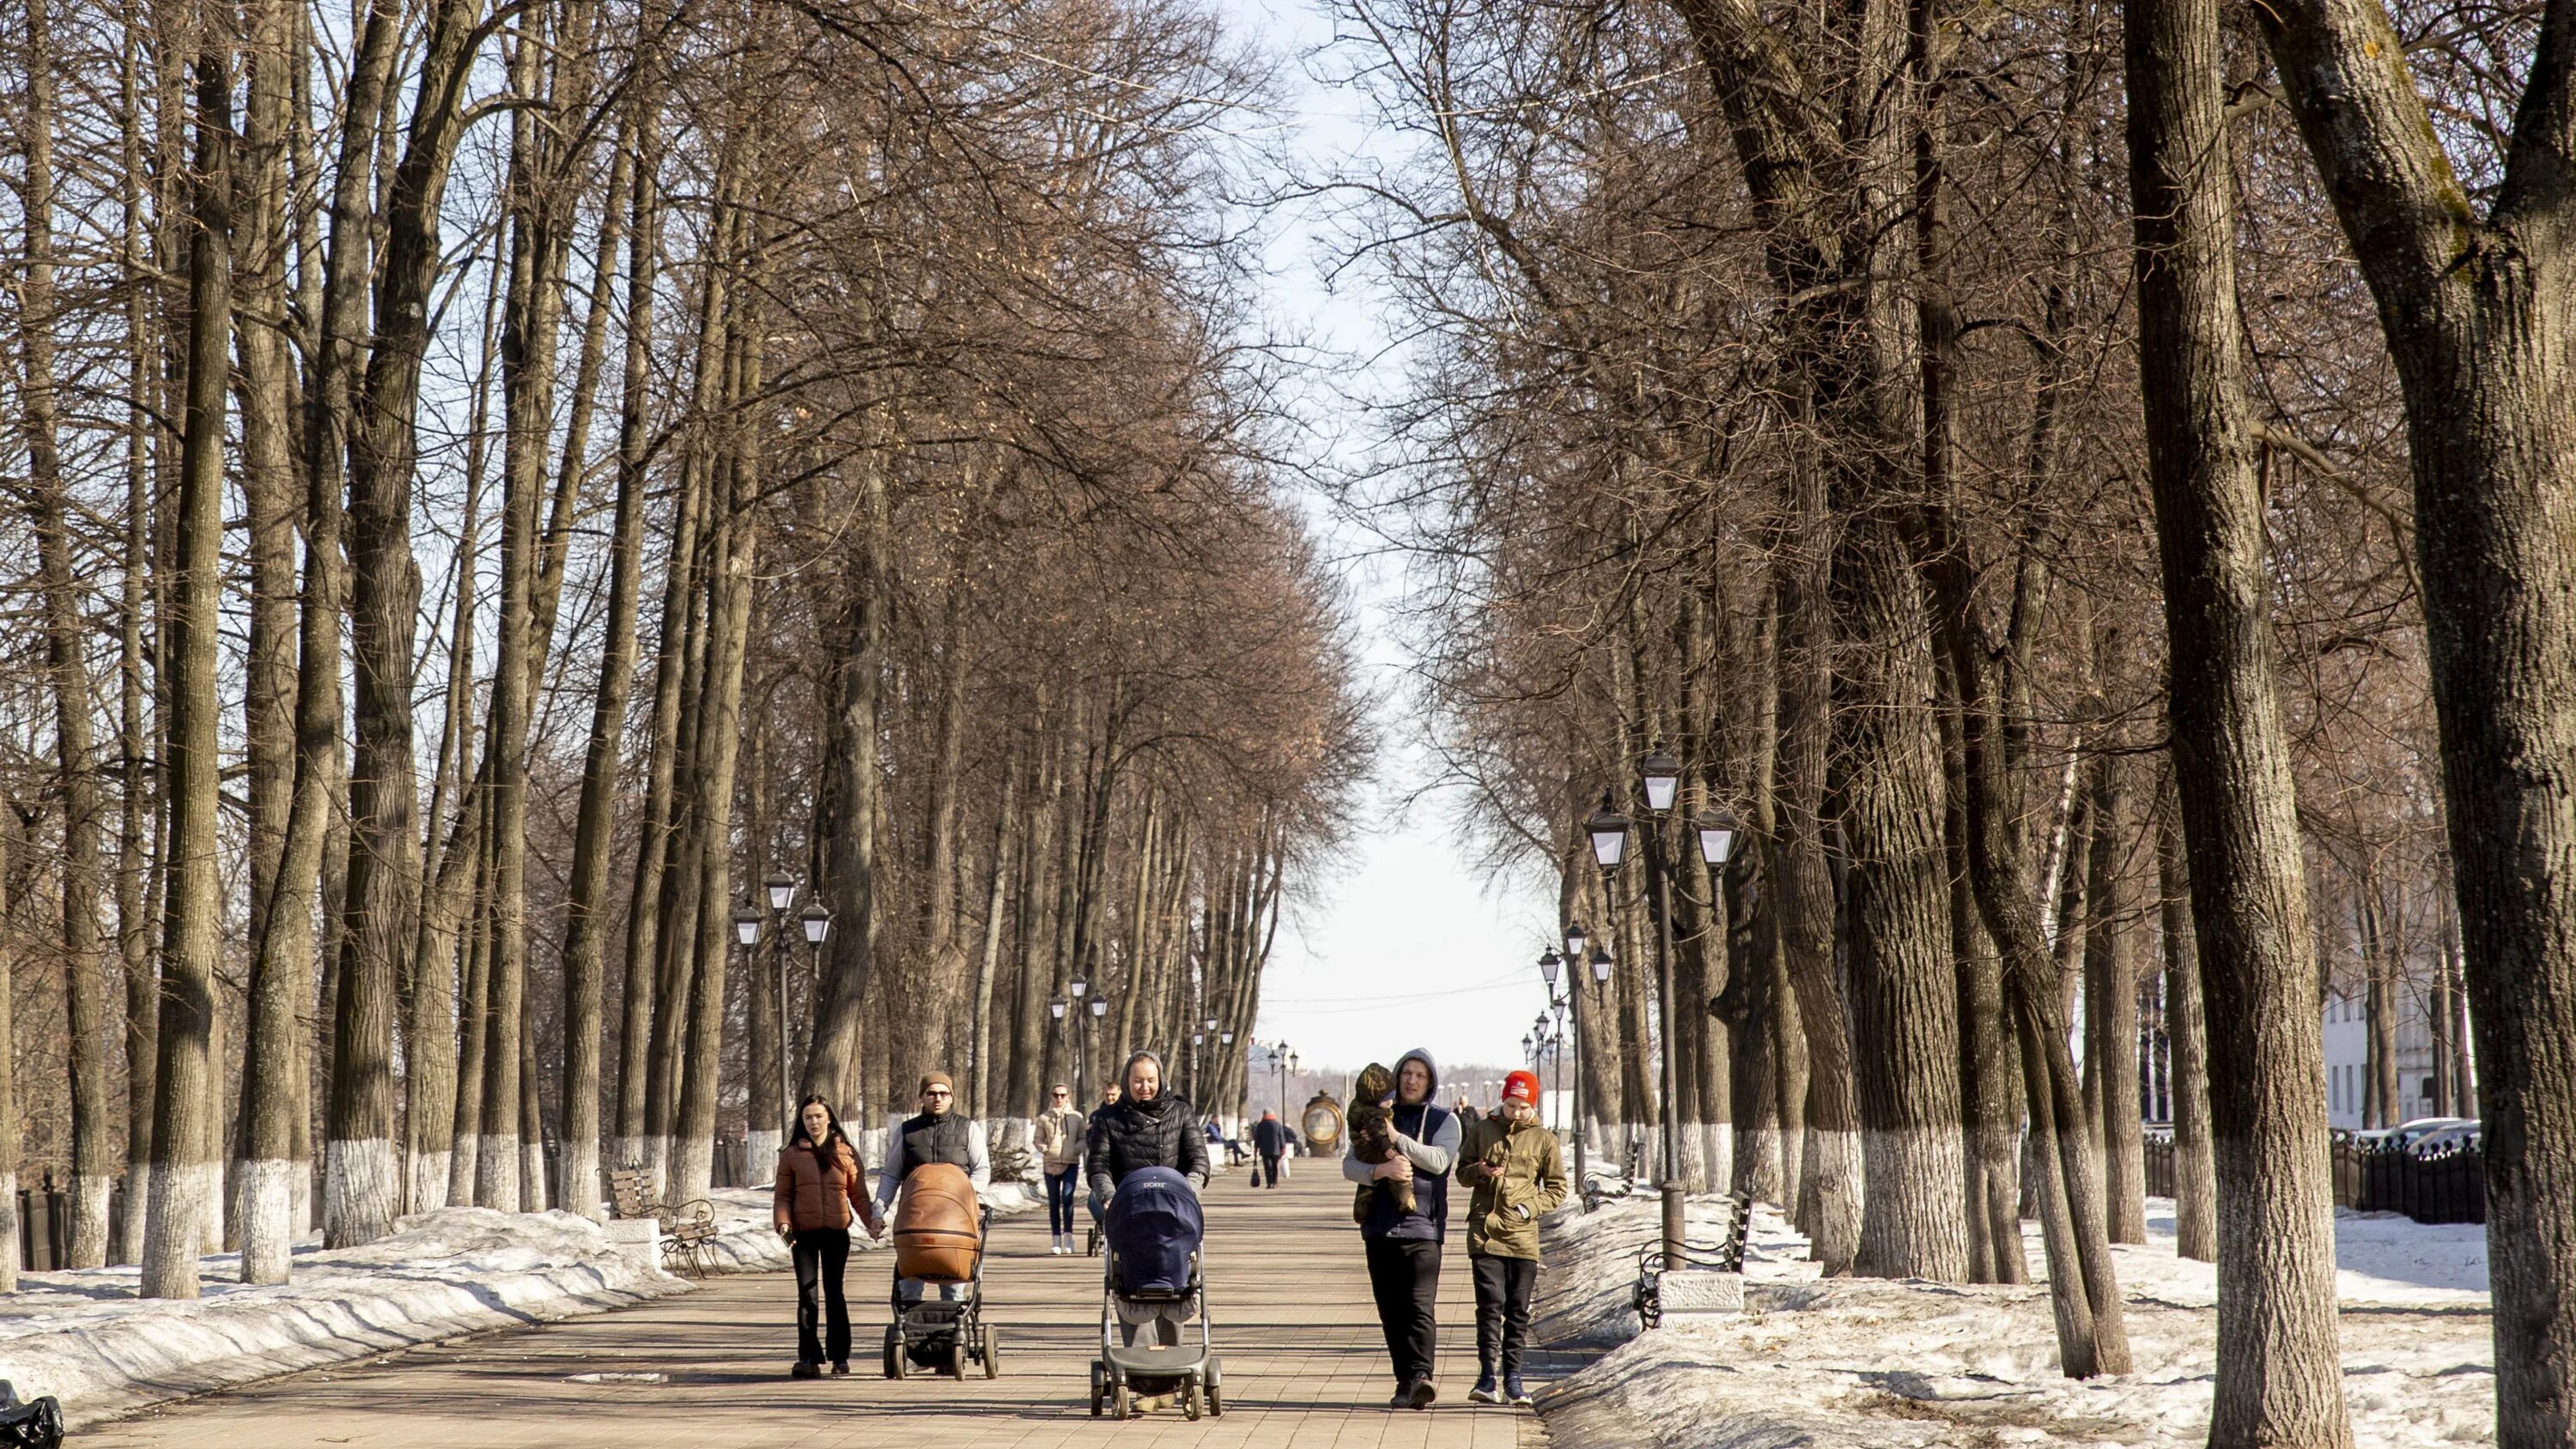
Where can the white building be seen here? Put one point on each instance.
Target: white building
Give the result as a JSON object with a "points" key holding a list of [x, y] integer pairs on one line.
{"points": [[2347, 1052]]}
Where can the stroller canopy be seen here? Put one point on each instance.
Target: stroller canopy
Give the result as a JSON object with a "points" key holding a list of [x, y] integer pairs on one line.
{"points": [[1153, 1224]]}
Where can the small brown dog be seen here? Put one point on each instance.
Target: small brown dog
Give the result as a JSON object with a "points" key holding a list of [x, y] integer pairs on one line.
{"points": [[1372, 1129]]}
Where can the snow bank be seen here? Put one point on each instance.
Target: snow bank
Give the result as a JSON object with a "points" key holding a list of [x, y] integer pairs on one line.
{"points": [[86, 1338], [1856, 1362]]}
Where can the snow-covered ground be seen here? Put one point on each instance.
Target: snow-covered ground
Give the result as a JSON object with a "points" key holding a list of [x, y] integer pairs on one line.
{"points": [[1863, 1362], [86, 1338]]}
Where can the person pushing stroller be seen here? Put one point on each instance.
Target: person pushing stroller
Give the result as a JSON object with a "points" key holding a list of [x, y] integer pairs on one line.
{"points": [[1146, 1127]]}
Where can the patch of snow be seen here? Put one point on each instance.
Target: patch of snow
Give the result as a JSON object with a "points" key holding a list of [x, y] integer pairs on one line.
{"points": [[1852, 1362]]}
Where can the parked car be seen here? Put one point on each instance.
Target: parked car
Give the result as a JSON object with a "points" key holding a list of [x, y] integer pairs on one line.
{"points": [[2405, 1135], [2453, 1138]]}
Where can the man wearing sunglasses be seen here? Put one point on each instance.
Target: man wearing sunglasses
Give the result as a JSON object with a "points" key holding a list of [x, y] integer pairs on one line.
{"points": [[939, 1134]]}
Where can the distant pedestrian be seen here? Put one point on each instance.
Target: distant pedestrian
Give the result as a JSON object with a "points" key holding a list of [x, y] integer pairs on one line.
{"points": [[1403, 1247], [1518, 1175], [1270, 1141], [819, 1186], [1062, 1133], [940, 1133]]}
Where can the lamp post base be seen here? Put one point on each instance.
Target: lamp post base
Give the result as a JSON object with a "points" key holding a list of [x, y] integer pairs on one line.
{"points": [[1673, 1226]]}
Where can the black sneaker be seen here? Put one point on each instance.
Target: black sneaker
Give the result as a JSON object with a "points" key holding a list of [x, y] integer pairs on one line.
{"points": [[840, 1368], [1424, 1391], [804, 1370], [1483, 1392], [1403, 1396], [1515, 1392]]}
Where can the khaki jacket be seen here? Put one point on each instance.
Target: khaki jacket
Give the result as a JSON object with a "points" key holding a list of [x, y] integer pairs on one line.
{"points": [[811, 1196], [1519, 1177], [1061, 1136]]}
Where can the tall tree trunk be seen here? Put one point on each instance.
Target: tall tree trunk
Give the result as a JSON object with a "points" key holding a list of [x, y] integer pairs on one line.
{"points": [[2187, 1038], [2111, 1005], [85, 992], [2280, 1378], [362, 1188], [273, 1078], [729, 623], [11, 1248], [134, 861], [186, 1168], [2475, 310], [858, 638]]}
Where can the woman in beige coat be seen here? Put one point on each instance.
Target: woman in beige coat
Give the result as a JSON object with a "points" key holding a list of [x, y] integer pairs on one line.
{"points": [[820, 1188]]}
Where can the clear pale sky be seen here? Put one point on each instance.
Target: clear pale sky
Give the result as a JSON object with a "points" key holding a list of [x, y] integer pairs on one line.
{"points": [[1405, 947]]}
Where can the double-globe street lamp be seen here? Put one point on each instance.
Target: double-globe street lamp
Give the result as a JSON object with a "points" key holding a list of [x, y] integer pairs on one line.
{"points": [[1661, 775], [781, 890], [1549, 965]]}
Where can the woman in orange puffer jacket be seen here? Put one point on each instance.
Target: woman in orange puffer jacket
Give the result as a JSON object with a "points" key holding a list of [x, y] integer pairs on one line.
{"points": [[820, 1187]]}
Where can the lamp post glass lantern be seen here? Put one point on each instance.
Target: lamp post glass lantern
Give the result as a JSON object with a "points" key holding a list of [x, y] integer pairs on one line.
{"points": [[1575, 938], [746, 926], [1609, 831], [817, 923], [1600, 967], [1716, 831], [782, 891], [1662, 776]]}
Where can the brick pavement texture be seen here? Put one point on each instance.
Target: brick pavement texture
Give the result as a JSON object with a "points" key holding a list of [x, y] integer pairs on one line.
{"points": [[1305, 1366]]}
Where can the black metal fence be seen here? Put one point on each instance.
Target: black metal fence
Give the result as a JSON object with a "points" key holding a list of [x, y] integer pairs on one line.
{"points": [[2451, 1188]]}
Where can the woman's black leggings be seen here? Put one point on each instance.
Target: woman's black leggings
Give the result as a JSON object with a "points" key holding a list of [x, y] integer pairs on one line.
{"points": [[822, 1255]]}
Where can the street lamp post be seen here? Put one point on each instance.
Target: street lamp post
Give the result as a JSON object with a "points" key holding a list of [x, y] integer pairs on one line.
{"points": [[1661, 776], [817, 924], [1098, 1009], [746, 929], [781, 889]]}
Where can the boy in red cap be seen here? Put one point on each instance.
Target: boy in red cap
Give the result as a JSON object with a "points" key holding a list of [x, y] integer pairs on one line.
{"points": [[1518, 1175]]}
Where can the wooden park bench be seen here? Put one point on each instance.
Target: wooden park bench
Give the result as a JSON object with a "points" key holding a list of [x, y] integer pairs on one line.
{"points": [[687, 1229], [1724, 1256]]}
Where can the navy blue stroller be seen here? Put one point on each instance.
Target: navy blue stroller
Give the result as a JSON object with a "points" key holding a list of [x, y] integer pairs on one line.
{"points": [[1152, 1230]]}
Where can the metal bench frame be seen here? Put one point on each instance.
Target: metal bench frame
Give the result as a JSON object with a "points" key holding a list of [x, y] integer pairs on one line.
{"points": [[687, 1228], [1725, 1256]]}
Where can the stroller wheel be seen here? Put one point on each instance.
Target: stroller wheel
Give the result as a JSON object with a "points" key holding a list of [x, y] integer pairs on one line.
{"points": [[1192, 1398], [1122, 1404], [957, 1357], [1098, 1389], [898, 1360], [992, 1353]]}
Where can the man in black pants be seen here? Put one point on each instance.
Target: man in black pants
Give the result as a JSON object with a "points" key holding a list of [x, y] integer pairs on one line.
{"points": [[1270, 1139], [1517, 1176], [1404, 1247]]}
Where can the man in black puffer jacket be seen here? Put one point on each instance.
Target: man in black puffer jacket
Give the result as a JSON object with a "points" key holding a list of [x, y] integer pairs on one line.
{"points": [[1147, 1127]]}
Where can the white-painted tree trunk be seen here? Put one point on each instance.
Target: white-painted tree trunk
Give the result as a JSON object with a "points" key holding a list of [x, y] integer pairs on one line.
{"points": [[626, 1152], [429, 1178], [361, 1191], [532, 1176], [9, 1246], [90, 1196], [760, 1151], [267, 1219], [174, 1230], [463, 1159], [496, 1171], [581, 1186], [692, 1168], [138, 1211]]}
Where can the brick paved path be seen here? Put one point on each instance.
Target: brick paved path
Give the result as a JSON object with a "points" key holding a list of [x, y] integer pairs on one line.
{"points": [[1305, 1367]]}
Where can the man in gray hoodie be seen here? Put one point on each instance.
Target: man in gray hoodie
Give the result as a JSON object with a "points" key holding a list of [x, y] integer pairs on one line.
{"points": [[1404, 1247]]}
